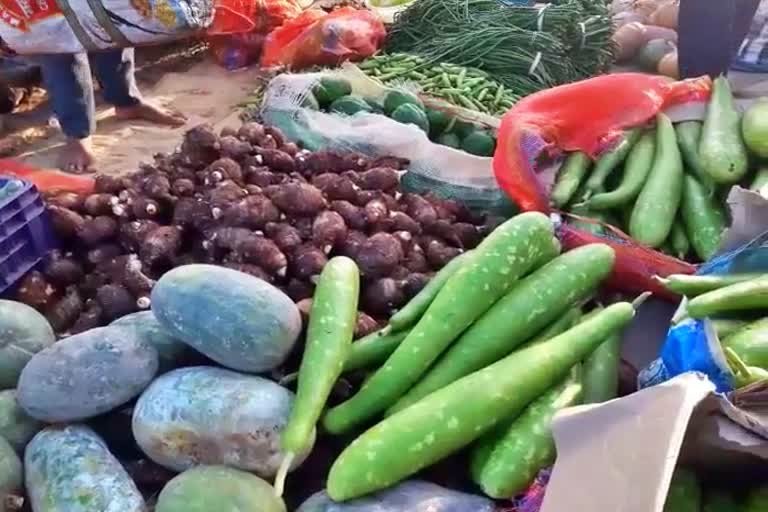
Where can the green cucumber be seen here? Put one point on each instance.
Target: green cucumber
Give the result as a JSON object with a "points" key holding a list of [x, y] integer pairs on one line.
{"points": [[559, 326], [505, 462], [507, 254], [600, 374], [449, 419], [737, 297], [684, 493], [688, 137], [692, 285], [721, 148], [679, 240], [535, 302], [704, 219], [750, 343], [569, 178], [656, 206], [373, 349], [760, 181]]}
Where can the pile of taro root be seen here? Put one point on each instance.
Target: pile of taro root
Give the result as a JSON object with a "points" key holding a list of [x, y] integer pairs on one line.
{"points": [[250, 201]]}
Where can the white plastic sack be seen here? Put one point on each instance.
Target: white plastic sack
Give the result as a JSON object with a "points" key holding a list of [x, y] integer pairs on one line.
{"points": [[73, 26], [444, 170]]}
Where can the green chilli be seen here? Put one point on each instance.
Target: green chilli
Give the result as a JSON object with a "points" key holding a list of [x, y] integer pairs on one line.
{"points": [[569, 178], [411, 312], [329, 338], [453, 417], [704, 219], [505, 462], [373, 349], [736, 297], [656, 206], [610, 160], [636, 169], [508, 253], [535, 302]]}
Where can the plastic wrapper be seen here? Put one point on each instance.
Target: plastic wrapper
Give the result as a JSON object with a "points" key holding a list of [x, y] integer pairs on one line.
{"points": [[446, 171], [533, 497], [692, 345], [589, 116], [239, 28], [74, 26], [411, 496], [317, 38]]}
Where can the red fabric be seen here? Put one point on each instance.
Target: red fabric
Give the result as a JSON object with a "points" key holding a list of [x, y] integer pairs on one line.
{"points": [[316, 38], [47, 180]]}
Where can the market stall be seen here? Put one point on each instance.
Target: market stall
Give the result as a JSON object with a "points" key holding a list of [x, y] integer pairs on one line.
{"points": [[443, 264]]}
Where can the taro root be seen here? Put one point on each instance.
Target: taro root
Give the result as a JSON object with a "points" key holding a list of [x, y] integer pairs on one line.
{"points": [[328, 230], [403, 222], [34, 290], [253, 212], [145, 208], [68, 200], [261, 251], [254, 190], [157, 186], [115, 301], [438, 253], [192, 213], [290, 148], [225, 193], [419, 209], [305, 308], [225, 169], [183, 187], [131, 275], [131, 234], [380, 178], [354, 161], [88, 319], [98, 230], [353, 215], [285, 236], [295, 176], [267, 142], [277, 160], [320, 161], [232, 147], [92, 282], [250, 269], [251, 132], [351, 245], [308, 261], [379, 255], [200, 137], [65, 221], [304, 226], [160, 246], [102, 253], [414, 283], [376, 211], [228, 131], [391, 162], [352, 176], [382, 296], [64, 312], [363, 197], [406, 240], [61, 270], [99, 204], [365, 325], [336, 187], [262, 177], [299, 199], [416, 260], [298, 289], [400, 273], [466, 234], [276, 133]]}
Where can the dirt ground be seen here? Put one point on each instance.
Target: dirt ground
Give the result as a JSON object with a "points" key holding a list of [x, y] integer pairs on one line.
{"points": [[183, 77]]}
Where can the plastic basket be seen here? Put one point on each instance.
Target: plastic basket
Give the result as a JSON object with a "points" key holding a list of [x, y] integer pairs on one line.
{"points": [[25, 233]]}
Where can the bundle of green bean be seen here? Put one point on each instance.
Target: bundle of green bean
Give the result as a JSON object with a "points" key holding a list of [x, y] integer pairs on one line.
{"points": [[465, 87]]}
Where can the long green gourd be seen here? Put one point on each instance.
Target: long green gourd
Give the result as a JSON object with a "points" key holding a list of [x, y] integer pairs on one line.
{"points": [[508, 253], [453, 417]]}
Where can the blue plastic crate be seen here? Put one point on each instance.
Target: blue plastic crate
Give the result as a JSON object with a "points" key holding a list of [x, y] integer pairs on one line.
{"points": [[26, 234]]}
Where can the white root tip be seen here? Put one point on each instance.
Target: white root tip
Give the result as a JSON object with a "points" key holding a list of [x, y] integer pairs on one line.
{"points": [[143, 302], [282, 272], [282, 473], [216, 212], [327, 248], [151, 209], [114, 200], [259, 159], [118, 210]]}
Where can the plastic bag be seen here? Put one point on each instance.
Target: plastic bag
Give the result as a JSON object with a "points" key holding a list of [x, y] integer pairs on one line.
{"points": [[589, 116], [692, 345], [240, 27], [411, 496], [317, 38], [446, 171], [76, 26]]}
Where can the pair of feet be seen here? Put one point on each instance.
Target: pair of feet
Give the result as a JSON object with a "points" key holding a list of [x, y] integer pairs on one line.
{"points": [[77, 154]]}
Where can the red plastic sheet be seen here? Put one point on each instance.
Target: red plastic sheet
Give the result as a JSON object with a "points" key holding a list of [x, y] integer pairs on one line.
{"points": [[47, 180], [316, 38]]}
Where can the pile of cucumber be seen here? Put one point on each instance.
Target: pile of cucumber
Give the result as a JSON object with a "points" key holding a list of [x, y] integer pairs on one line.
{"points": [[334, 95], [666, 184], [736, 305], [484, 355]]}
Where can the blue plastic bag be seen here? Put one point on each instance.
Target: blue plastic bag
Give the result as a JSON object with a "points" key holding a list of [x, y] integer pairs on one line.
{"points": [[692, 345], [410, 496]]}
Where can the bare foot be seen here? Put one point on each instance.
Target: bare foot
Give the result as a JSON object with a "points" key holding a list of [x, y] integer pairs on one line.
{"points": [[151, 113], [76, 156]]}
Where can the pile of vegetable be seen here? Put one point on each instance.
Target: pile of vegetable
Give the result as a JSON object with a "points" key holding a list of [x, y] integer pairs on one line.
{"points": [[665, 185], [334, 95], [687, 493], [465, 87], [526, 49], [250, 201], [646, 34]]}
